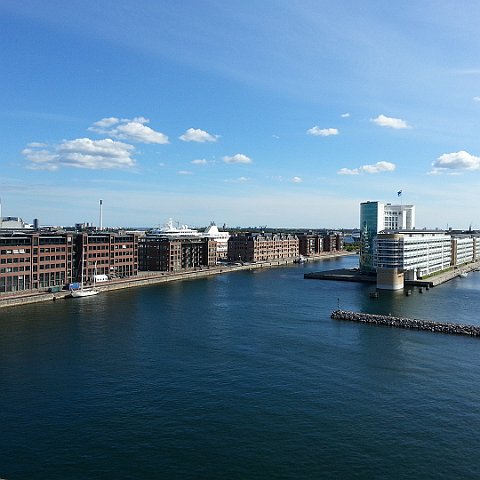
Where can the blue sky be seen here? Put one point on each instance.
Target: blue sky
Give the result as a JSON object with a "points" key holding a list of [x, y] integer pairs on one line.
{"points": [[279, 113]]}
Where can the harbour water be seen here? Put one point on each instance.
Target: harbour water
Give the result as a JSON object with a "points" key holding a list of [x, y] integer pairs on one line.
{"points": [[241, 376]]}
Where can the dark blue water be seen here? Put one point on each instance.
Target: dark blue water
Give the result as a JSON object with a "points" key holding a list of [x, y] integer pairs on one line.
{"points": [[242, 376]]}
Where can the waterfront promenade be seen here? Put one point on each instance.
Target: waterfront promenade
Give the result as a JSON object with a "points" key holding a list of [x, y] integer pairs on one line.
{"points": [[151, 278]]}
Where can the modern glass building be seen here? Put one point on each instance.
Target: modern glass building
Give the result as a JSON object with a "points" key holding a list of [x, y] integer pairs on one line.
{"points": [[371, 214], [376, 217]]}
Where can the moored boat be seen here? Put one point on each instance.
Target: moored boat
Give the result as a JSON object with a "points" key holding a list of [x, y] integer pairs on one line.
{"points": [[84, 291]]}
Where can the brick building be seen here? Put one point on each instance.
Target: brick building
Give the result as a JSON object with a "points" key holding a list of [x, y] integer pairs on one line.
{"points": [[106, 253], [258, 247], [35, 260], [332, 242], [166, 254], [42, 260], [310, 244]]}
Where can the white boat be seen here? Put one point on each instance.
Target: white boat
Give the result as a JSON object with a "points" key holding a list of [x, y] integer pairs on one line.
{"points": [[464, 274], [84, 291], [169, 230]]}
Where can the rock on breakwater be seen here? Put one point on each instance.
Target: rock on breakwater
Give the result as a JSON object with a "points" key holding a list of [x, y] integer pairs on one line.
{"points": [[411, 323]]}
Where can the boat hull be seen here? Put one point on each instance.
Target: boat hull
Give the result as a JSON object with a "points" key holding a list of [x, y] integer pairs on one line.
{"points": [[85, 292]]}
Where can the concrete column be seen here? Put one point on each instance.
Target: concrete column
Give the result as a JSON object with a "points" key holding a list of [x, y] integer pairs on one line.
{"points": [[389, 279]]}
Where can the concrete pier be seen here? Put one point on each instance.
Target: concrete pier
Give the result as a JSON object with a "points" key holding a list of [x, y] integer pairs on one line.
{"points": [[354, 275], [410, 323]]}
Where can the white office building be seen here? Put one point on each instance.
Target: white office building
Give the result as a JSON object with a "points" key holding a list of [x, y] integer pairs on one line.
{"points": [[376, 217], [463, 248], [415, 254], [410, 255]]}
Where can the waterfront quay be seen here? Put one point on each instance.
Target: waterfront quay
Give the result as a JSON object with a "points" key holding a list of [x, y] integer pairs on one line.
{"points": [[151, 278], [408, 323], [354, 275]]}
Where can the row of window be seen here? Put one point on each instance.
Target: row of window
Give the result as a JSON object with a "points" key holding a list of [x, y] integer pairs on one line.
{"points": [[52, 257], [14, 251], [15, 269], [52, 249], [15, 260], [52, 266]]}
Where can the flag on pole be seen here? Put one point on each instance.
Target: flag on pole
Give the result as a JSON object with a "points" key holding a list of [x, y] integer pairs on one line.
{"points": [[399, 193]]}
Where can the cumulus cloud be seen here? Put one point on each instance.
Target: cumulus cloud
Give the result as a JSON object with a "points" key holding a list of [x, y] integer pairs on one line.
{"points": [[322, 132], [200, 161], [134, 130], [345, 115], [390, 122], [237, 158], [455, 162], [378, 167], [81, 153], [370, 169], [297, 180], [197, 135]]}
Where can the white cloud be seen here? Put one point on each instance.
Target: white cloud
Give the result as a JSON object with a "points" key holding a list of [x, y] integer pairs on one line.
{"points": [[345, 115], [82, 153], [348, 171], [390, 122], [201, 161], [476, 99], [37, 145], [275, 136], [237, 180], [238, 158], [378, 167], [322, 132], [105, 123], [197, 135], [297, 180], [134, 130], [370, 169], [184, 172], [455, 162]]}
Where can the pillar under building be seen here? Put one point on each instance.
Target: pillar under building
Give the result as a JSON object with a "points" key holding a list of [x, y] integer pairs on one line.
{"points": [[390, 279]]}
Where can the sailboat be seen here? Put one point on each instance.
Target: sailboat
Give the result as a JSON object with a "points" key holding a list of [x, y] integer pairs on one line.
{"points": [[85, 291]]}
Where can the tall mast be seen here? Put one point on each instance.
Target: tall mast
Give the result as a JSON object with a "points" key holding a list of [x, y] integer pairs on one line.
{"points": [[101, 215]]}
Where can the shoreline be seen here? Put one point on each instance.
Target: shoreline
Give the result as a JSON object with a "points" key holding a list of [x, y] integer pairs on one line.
{"points": [[153, 278]]}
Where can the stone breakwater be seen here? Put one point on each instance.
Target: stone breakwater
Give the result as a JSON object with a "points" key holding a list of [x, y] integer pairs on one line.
{"points": [[411, 323]]}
